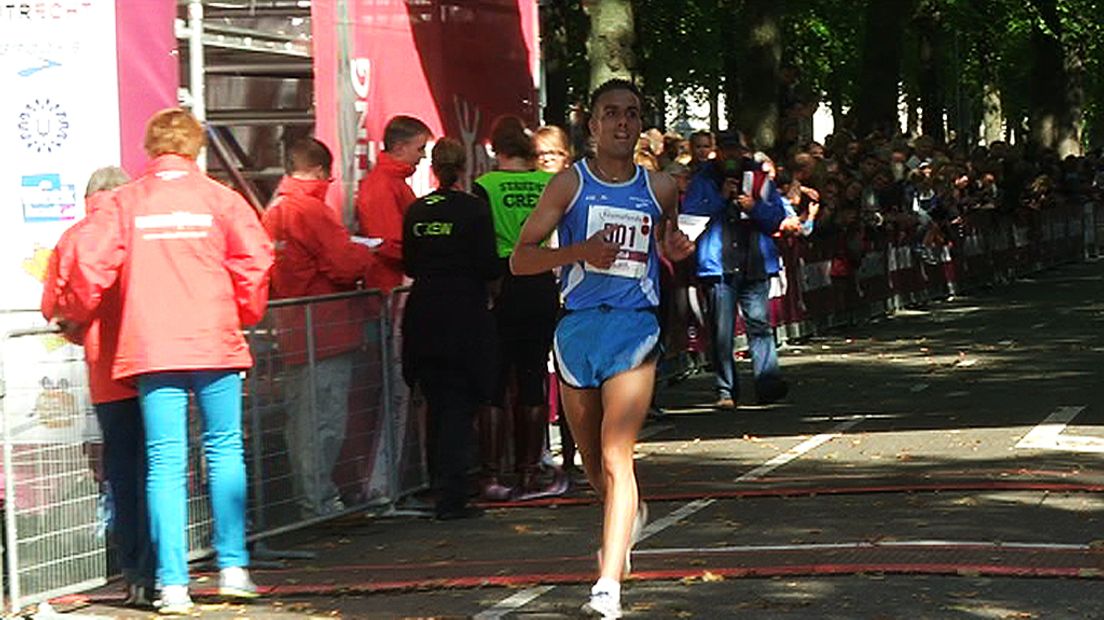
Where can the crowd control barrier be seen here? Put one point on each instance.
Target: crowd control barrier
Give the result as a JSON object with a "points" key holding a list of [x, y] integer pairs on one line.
{"points": [[832, 282], [329, 426]]}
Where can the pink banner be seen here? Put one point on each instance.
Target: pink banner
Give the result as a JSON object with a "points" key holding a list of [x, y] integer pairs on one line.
{"points": [[148, 67], [456, 66]]}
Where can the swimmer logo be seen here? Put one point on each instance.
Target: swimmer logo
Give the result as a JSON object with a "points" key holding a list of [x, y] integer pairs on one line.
{"points": [[43, 126]]}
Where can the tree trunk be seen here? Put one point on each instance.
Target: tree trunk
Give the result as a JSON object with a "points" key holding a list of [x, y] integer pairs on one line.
{"points": [[992, 114], [714, 105], [880, 77], [757, 115], [834, 93], [930, 27], [610, 45], [730, 64], [553, 49], [912, 116], [1048, 78], [1069, 139]]}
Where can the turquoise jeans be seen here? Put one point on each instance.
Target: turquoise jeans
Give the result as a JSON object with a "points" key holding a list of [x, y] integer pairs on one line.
{"points": [[164, 398]]}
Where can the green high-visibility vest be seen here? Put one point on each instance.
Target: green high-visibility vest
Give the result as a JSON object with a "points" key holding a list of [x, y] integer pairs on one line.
{"points": [[513, 196]]}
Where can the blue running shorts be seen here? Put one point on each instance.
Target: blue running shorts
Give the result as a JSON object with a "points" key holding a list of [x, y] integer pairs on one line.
{"points": [[596, 344]]}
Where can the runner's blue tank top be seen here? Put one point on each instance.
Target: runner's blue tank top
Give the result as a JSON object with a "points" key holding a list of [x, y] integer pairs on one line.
{"points": [[629, 211]]}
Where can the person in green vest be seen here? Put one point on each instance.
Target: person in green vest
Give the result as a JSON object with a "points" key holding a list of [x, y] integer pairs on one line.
{"points": [[525, 313]]}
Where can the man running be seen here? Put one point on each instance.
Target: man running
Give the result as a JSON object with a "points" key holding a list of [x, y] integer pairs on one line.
{"points": [[612, 217]]}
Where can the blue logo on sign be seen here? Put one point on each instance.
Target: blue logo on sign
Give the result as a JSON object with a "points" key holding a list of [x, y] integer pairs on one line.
{"points": [[46, 199], [48, 64]]}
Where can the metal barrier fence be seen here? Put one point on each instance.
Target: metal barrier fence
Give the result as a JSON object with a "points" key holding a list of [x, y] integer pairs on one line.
{"points": [[53, 541], [327, 424]]}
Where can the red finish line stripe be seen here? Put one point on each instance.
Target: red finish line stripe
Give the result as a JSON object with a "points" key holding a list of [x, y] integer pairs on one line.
{"points": [[368, 587], [996, 485]]}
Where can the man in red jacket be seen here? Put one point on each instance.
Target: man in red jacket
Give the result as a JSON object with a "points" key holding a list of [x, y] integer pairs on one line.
{"points": [[315, 256], [384, 195], [382, 199]]}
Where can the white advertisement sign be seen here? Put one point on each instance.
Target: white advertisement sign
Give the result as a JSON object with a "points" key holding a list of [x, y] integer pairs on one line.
{"points": [[59, 121]]}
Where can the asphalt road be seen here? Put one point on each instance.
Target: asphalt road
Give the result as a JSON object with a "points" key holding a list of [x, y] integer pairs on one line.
{"points": [[942, 463]]}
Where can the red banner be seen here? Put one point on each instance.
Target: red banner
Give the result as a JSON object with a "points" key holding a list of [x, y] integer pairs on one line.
{"points": [[456, 66]]}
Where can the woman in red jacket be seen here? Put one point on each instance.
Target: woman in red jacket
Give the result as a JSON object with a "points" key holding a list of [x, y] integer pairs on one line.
{"points": [[192, 264], [116, 403]]}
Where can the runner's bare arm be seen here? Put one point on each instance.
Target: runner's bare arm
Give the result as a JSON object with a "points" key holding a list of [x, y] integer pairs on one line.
{"points": [[530, 258], [674, 243]]}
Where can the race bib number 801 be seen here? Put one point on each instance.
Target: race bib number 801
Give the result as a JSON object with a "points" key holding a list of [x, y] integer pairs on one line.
{"points": [[630, 229]]}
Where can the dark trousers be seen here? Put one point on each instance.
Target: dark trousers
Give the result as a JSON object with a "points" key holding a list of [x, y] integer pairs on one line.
{"points": [[124, 449], [452, 396]]}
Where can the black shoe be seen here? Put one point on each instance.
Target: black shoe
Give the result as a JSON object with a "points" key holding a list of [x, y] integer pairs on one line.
{"points": [[771, 391], [463, 512]]}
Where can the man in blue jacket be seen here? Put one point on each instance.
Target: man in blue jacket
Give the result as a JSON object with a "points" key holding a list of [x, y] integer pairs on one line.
{"points": [[736, 258]]}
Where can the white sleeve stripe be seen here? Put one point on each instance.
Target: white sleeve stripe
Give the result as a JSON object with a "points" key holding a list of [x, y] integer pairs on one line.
{"points": [[648, 183], [578, 192]]}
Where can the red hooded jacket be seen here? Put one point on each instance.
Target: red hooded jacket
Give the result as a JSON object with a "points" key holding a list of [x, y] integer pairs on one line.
{"points": [[314, 256], [101, 337], [381, 201], [192, 264]]}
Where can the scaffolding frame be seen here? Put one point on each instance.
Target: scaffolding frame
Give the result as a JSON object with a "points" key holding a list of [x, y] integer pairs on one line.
{"points": [[219, 45]]}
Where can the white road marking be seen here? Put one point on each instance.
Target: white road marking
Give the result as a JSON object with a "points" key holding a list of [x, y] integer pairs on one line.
{"points": [[799, 450], [862, 416], [919, 387], [674, 517], [524, 597], [1048, 435], [513, 603]]}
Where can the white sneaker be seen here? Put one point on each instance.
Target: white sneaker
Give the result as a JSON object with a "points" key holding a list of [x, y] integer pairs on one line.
{"points": [[603, 605], [234, 582], [174, 601], [332, 506]]}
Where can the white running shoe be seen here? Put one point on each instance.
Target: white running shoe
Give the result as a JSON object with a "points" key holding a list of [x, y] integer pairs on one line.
{"points": [[603, 605], [174, 601], [234, 582]]}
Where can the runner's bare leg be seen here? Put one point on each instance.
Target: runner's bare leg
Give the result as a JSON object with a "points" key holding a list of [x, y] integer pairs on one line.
{"points": [[584, 414], [611, 431]]}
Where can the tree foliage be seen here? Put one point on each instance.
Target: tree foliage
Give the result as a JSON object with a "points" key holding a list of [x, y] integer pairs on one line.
{"points": [[964, 58]]}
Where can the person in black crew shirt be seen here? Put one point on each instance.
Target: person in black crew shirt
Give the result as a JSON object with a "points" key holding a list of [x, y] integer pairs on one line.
{"points": [[449, 341]]}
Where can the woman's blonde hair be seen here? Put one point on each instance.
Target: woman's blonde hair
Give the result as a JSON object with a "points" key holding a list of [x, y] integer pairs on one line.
{"points": [[553, 136], [174, 131]]}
